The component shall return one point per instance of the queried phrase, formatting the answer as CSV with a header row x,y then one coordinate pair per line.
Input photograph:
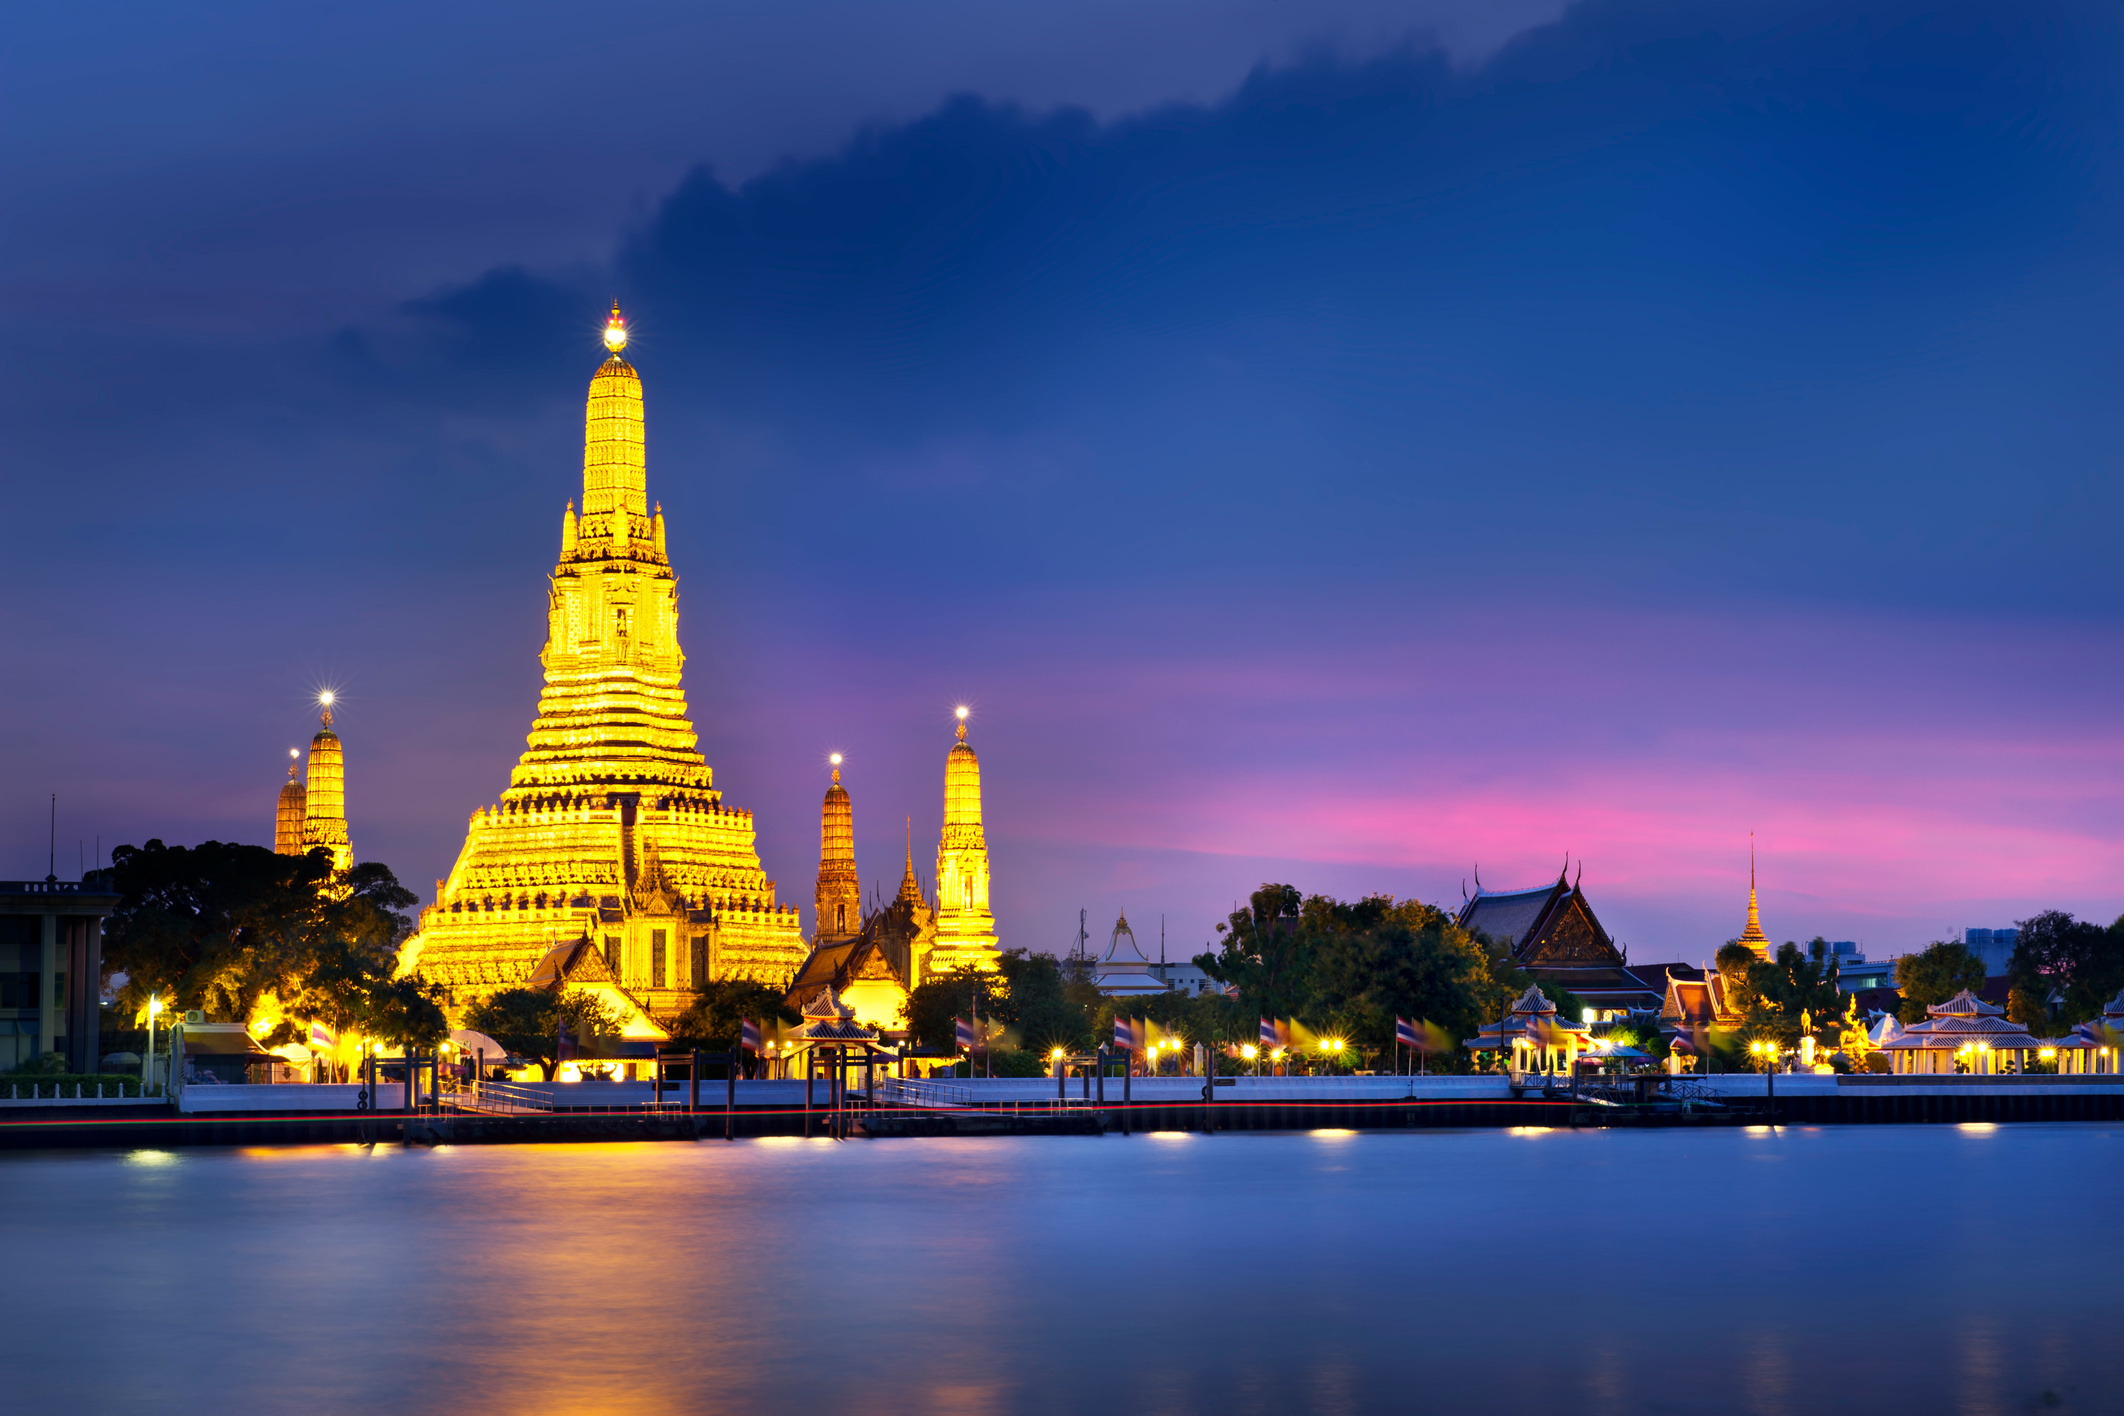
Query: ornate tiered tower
x,y
288,819
611,828
966,931
324,817
1753,935
840,897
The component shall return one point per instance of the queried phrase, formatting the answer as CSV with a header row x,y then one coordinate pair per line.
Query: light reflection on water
x,y
1596,1272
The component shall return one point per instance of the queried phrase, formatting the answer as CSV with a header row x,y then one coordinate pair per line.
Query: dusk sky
x,y
1336,443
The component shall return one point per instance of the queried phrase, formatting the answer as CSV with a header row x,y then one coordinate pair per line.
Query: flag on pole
x,y
1268,1033
1125,1034
321,1036
1405,1033
749,1033
966,1034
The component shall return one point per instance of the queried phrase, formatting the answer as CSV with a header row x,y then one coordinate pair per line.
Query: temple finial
x,y
835,759
615,330
962,722
324,706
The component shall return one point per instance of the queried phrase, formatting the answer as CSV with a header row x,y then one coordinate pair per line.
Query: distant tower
x,y
840,897
966,931
287,824
325,798
1753,935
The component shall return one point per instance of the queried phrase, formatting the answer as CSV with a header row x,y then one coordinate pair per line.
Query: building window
x,y
656,958
612,955
700,960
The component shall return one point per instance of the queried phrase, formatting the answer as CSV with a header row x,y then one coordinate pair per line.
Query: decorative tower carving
x,y
840,896
966,931
324,814
1753,935
288,821
611,829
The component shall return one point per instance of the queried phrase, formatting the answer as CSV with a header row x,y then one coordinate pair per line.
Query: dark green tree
x,y
713,1019
1943,969
2078,960
530,1021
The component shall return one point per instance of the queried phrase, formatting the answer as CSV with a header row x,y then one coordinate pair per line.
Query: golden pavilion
x,y
610,831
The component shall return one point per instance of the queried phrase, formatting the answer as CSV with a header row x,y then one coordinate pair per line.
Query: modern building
x,y
51,969
1993,946
611,829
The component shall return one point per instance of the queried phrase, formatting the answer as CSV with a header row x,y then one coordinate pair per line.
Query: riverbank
x,y
301,1115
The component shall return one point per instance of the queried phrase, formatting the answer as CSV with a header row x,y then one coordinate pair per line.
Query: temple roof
x,y
1553,925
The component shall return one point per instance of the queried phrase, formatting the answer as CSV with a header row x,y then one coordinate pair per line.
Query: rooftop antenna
x,y
51,864
1161,941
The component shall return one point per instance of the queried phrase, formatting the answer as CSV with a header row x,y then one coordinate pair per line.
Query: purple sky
x,y
1341,444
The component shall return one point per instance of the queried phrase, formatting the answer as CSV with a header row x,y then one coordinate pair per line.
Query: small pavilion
x,y
1533,1036
1963,1034
1125,972
830,1028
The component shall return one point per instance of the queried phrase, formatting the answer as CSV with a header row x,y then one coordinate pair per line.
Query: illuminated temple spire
x,y
910,887
325,793
610,829
840,895
1753,935
288,819
966,931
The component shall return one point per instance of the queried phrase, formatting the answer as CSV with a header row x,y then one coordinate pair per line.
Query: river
x,y
1877,1269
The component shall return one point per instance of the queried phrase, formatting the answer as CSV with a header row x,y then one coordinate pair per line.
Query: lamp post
x,y
1253,1055
147,1074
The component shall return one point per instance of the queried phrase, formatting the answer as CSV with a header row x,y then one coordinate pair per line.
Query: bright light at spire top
x,y
615,330
962,712
324,699
835,759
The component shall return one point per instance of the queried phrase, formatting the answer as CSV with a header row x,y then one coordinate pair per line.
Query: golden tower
x,y
324,813
288,819
611,829
966,931
1753,935
840,896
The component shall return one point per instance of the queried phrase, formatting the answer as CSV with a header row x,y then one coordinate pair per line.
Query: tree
x,y
218,926
1347,968
712,1021
2078,960
1935,975
933,1008
530,1021
1789,992
1031,999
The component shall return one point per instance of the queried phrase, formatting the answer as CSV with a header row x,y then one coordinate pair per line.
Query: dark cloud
x,y
1735,310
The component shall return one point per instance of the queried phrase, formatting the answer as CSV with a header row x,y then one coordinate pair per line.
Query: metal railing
x,y
504,1098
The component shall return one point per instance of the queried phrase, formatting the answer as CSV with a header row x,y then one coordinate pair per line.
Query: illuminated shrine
x,y
313,813
966,931
611,830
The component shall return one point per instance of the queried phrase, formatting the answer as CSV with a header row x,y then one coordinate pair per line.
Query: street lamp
x,y
147,1075
1252,1054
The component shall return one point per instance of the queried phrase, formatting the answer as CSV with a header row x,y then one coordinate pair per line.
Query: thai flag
x,y
749,1033
1405,1033
966,1034
1125,1034
1268,1033
320,1035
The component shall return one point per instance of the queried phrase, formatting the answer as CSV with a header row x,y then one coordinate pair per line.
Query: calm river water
x,y
1865,1269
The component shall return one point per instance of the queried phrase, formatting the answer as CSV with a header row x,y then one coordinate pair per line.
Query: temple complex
x,y
611,830
1554,935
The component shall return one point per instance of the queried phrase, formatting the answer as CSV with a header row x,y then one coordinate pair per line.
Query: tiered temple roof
x,y
611,829
1554,935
